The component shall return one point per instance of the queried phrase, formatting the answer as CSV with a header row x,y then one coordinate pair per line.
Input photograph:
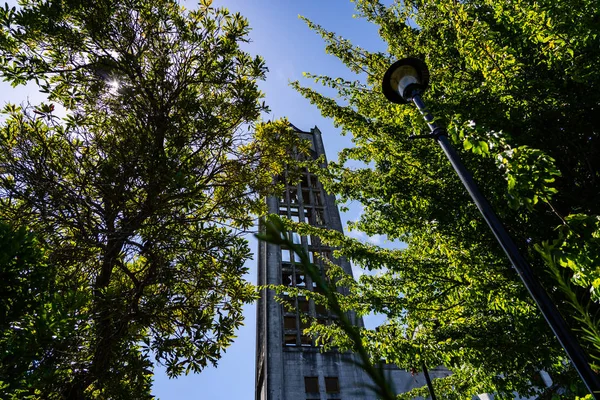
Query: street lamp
x,y
405,81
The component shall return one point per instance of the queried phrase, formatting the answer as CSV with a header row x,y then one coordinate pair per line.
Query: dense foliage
x,y
138,177
516,83
29,305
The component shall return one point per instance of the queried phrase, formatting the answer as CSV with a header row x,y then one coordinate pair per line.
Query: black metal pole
x,y
428,380
537,292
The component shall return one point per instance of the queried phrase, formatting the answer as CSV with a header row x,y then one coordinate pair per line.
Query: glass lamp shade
x,y
404,78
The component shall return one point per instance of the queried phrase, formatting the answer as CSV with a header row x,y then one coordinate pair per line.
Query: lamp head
x,y
404,79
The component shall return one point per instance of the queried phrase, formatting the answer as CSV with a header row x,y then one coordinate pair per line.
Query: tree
x,y
516,86
141,193
26,291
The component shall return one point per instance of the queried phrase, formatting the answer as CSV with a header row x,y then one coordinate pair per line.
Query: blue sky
x,y
289,49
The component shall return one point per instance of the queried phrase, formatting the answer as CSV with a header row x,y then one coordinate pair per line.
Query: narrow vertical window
x,y
289,323
319,217
306,197
290,340
293,196
304,181
318,198
332,385
311,384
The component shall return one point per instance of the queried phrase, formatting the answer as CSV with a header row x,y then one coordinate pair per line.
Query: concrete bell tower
x,y
288,364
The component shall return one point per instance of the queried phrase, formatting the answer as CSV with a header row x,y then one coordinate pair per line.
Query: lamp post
x,y
404,81
428,381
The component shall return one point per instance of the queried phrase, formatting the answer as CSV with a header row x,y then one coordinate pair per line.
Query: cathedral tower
x,y
288,364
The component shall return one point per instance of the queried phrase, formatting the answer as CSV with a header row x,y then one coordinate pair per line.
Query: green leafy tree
x,y
141,193
26,286
516,85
